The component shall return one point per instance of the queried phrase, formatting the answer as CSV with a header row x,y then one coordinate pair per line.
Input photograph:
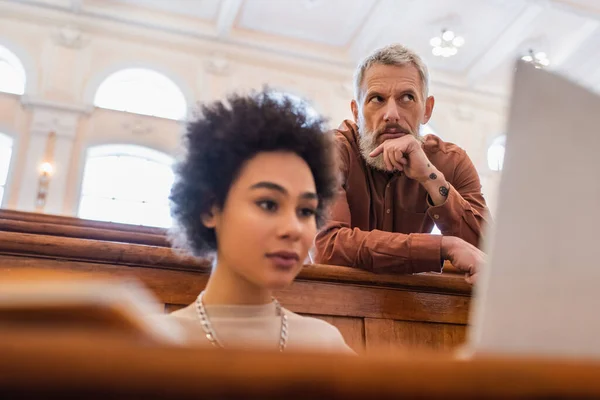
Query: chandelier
x,y
537,59
447,44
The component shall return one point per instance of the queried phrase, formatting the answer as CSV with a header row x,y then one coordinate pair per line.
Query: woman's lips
x,y
284,259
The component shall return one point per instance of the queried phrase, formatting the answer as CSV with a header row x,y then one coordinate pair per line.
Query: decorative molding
x,y
36,102
52,117
258,49
218,64
71,37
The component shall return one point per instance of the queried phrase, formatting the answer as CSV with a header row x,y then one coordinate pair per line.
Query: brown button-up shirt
x,y
382,221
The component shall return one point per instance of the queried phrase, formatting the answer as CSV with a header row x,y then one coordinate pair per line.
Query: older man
x,y
397,184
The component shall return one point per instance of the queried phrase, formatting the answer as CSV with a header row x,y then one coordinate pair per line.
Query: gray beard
x,y
366,144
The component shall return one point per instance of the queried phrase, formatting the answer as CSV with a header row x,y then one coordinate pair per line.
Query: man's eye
x,y
377,99
408,97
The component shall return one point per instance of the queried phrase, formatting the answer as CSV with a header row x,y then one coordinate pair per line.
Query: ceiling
x,y
340,32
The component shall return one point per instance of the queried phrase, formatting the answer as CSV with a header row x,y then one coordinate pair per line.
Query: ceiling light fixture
x,y
447,44
537,59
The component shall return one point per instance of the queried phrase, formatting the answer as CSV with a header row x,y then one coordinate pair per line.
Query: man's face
x,y
391,105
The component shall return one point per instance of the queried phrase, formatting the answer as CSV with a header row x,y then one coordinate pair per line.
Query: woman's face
x,y
267,224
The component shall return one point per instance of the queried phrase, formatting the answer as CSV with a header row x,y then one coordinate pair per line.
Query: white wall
x,y
62,80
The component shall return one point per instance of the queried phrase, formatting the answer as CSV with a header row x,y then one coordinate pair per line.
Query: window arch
x,y
142,91
495,154
298,101
6,144
12,73
127,184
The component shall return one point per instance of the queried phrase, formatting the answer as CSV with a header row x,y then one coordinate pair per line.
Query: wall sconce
x,y
46,170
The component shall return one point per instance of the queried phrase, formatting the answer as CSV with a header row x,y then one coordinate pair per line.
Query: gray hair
x,y
393,54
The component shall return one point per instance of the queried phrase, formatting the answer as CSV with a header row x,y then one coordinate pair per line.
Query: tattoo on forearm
x,y
444,191
432,176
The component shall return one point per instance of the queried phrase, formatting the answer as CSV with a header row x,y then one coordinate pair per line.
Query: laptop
x,y
540,291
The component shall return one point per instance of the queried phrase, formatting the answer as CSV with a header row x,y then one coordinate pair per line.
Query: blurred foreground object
x,y
58,304
539,292
77,368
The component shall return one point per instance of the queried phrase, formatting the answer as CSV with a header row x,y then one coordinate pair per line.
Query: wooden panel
x,y
374,302
352,329
382,334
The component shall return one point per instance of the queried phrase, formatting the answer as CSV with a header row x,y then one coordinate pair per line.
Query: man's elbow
x,y
325,247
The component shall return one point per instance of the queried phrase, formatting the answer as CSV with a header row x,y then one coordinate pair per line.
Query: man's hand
x,y
463,255
405,154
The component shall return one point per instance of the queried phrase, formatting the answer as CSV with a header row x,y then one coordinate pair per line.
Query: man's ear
x,y
209,219
429,103
354,108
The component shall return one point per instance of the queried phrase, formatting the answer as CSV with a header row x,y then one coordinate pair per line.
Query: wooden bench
x,y
56,225
371,310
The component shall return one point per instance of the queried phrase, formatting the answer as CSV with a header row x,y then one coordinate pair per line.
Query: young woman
x,y
250,192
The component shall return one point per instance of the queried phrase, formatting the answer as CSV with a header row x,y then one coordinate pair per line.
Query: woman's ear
x,y
209,219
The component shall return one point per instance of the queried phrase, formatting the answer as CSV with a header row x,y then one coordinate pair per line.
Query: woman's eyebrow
x,y
281,189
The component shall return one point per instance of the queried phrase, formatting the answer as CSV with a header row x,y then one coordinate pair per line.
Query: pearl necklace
x,y
210,332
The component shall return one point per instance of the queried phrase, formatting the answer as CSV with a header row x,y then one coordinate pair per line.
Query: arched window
x,y
12,73
128,184
5,155
495,154
142,91
300,102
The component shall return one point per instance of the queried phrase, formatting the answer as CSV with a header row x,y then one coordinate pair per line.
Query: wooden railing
x,y
371,310
73,221
56,225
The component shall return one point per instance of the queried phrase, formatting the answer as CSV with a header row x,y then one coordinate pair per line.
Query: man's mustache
x,y
399,128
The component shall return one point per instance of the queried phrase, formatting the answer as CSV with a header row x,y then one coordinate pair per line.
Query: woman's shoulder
x,y
323,333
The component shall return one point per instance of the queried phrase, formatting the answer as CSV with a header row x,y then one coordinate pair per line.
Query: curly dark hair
x,y
228,133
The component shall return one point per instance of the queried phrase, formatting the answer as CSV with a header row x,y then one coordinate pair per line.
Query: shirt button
x,y
387,186
436,216
388,211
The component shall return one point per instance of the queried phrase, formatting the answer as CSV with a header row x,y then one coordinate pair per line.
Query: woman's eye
x,y
267,205
308,212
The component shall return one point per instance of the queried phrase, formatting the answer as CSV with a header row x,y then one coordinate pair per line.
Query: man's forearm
x,y
437,187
